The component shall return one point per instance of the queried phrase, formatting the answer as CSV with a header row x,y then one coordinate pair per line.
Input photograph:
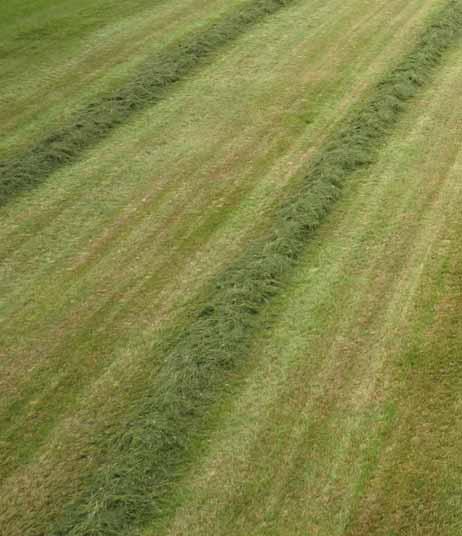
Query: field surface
x,y
230,267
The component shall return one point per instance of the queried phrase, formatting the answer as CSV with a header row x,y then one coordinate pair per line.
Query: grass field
x,y
348,419
334,408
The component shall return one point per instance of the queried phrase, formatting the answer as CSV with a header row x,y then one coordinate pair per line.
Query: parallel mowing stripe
x,y
146,456
96,120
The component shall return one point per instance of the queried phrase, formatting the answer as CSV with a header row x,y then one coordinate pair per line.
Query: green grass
x,y
146,454
88,287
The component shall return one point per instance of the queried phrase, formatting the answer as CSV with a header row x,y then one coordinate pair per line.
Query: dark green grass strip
x,y
145,458
95,121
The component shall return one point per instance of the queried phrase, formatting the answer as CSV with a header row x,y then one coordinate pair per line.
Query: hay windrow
x,y
95,121
146,456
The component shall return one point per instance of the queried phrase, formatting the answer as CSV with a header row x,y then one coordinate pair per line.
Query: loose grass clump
x,y
95,121
146,456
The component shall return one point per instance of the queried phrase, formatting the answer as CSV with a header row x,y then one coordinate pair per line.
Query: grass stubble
x,y
154,443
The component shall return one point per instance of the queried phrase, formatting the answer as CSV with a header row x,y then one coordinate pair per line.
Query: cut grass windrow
x,y
165,422
96,120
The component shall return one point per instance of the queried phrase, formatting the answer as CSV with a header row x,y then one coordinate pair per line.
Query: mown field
x,y
230,257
